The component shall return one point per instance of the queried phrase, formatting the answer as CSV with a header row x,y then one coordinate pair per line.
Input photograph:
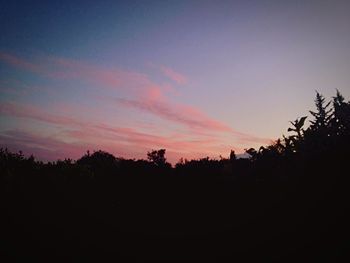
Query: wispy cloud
x,y
184,115
79,129
50,148
32,112
21,63
201,133
152,93
73,137
42,147
116,78
189,117
64,68
173,75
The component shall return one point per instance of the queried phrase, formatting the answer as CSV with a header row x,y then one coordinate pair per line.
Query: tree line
x,y
327,134
287,201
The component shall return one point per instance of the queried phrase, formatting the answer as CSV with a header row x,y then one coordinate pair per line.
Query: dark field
x,y
169,216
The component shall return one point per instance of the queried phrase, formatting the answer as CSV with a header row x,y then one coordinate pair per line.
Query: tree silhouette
x,y
157,157
233,156
341,121
253,153
297,126
322,115
100,162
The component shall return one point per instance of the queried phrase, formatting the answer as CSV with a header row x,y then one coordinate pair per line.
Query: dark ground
x,y
173,217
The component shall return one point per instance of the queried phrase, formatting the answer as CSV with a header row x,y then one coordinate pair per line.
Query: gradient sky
x,y
195,77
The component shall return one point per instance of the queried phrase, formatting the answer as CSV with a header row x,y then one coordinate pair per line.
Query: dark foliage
x,y
287,202
157,157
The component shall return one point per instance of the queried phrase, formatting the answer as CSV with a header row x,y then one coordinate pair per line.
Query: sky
x,y
197,78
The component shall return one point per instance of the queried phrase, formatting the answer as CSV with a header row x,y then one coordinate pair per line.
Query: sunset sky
x,y
197,78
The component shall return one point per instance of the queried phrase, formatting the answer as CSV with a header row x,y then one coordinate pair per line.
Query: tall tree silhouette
x,y
322,114
341,120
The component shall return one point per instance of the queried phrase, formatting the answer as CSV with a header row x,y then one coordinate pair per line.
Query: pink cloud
x,y
154,97
188,116
48,148
150,97
84,135
42,147
116,78
18,88
173,141
173,75
32,112
20,63
63,68
185,115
